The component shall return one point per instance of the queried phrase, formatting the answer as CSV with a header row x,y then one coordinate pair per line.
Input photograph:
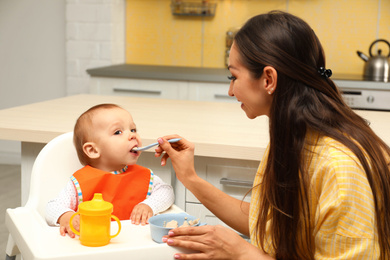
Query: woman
x,y
322,189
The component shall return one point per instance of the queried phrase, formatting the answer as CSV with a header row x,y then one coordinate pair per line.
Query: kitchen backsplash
x,y
156,37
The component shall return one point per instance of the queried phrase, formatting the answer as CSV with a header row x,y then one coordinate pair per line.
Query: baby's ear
x,y
91,150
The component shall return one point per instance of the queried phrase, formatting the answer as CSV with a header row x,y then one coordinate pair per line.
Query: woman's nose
x,y
230,92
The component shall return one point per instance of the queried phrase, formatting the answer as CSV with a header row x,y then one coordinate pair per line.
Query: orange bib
x,y
124,190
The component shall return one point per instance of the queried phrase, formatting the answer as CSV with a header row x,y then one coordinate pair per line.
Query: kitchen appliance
x,y
377,67
360,93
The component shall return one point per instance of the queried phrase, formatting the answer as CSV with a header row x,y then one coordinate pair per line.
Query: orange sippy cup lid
x,y
96,206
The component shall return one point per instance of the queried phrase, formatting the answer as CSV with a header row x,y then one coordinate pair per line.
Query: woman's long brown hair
x,y
304,100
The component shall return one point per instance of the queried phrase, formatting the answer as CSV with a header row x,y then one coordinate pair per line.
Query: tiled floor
x,y
9,198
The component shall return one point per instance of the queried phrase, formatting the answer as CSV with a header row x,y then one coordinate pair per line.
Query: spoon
x,y
174,140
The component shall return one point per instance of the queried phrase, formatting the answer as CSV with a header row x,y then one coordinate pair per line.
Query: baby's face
x,y
115,134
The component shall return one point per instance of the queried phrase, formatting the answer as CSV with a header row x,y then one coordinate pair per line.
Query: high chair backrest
x,y
52,169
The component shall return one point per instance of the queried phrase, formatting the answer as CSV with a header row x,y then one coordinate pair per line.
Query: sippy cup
x,y
95,221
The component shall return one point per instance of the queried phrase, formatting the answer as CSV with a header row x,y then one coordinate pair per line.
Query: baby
x,y
104,137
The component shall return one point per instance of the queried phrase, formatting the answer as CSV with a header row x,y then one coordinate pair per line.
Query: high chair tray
x,y
37,240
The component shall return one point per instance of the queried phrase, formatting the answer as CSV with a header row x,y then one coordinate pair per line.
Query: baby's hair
x,y
82,128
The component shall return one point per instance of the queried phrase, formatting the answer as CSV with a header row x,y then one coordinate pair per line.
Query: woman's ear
x,y
91,150
271,79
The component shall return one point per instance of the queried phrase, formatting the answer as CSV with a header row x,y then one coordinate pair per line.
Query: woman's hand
x,y
211,242
181,154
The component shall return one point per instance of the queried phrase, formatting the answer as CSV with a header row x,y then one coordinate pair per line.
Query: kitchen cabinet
x,y
205,91
234,177
168,89
166,173
186,83
139,88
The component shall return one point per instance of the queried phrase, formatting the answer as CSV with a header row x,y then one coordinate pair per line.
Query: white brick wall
x,y
95,37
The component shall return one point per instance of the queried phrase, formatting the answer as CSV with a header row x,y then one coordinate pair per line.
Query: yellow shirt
x,y
341,203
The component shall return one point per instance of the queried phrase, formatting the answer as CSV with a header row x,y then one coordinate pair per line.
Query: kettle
x,y
376,68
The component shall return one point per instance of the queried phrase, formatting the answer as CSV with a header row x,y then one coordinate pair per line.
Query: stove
x,y
362,94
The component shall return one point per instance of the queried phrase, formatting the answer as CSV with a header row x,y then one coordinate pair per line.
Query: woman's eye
x,y
232,78
117,132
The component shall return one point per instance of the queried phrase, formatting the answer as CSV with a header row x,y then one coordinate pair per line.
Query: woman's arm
x,y
232,211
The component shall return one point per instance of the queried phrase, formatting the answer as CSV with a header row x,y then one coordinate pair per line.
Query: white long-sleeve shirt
x,y
160,199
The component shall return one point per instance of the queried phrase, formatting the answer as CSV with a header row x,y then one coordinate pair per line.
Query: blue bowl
x,y
156,223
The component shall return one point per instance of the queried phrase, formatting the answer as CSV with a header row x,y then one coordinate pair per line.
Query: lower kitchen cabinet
x,y
234,177
166,173
139,88
168,89
204,91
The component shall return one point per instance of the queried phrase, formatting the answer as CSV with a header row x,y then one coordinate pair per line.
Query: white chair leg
x,y
12,249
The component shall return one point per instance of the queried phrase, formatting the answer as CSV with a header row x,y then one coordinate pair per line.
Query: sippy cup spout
x,y
96,206
98,196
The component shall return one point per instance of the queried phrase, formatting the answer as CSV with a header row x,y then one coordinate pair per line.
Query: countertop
x,y
218,129
162,73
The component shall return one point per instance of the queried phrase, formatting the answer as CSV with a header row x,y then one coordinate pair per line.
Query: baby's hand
x,y
141,214
64,223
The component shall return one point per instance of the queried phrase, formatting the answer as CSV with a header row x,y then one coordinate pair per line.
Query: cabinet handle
x,y
239,183
221,96
138,91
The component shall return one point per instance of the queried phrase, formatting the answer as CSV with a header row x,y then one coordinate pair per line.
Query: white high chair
x,y
31,236
52,168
